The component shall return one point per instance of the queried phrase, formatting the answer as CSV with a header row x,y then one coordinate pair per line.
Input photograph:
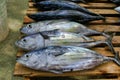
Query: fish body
x,y
62,5
57,37
60,0
117,9
62,25
59,59
37,41
116,1
72,15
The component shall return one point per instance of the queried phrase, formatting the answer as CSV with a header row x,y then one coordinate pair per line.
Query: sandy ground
x,y
16,11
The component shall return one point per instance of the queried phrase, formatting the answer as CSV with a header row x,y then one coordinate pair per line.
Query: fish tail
x,y
83,1
116,58
108,41
100,17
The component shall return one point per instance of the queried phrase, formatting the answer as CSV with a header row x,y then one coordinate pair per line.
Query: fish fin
x,y
108,41
83,1
87,39
44,36
116,58
55,71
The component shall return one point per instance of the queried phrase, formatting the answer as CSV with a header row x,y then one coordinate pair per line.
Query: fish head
x,y
31,42
32,60
30,28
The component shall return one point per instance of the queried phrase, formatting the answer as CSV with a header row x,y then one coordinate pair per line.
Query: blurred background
x,y
16,10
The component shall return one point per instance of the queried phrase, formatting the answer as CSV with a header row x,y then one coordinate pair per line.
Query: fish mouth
x,y
19,44
23,31
19,60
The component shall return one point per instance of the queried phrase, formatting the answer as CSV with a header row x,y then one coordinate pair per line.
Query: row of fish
x,y
56,32
63,10
58,42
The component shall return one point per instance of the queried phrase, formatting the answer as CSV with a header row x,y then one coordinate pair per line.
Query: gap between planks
x,y
89,5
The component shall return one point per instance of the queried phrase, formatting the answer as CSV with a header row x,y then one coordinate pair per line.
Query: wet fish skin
x,y
116,1
61,0
27,43
117,9
62,24
72,15
59,59
37,41
62,5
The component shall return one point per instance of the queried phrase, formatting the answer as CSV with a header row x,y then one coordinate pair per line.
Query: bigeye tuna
x,y
61,5
59,59
72,15
63,25
37,41
57,37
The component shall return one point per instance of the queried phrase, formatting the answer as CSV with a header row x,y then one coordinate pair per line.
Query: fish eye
x,y
24,40
27,56
30,26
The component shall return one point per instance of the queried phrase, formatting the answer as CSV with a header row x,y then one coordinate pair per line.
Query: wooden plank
x,y
107,28
107,68
91,1
89,5
27,78
109,20
98,11
103,79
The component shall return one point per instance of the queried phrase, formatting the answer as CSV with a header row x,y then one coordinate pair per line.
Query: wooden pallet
x,y
108,77
103,7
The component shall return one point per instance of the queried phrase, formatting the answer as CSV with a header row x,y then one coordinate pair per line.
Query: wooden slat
x,y
107,68
89,5
97,1
107,28
103,79
109,20
27,78
98,11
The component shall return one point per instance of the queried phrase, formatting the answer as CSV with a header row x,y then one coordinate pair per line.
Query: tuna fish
x,y
63,25
36,41
61,5
59,59
72,15
44,39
